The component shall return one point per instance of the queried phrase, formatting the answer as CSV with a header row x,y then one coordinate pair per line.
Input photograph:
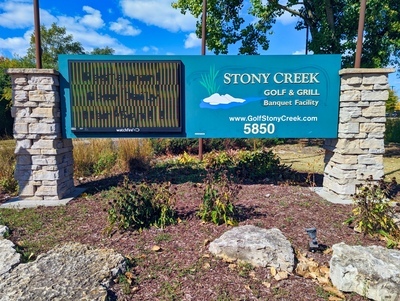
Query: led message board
x,y
280,96
125,96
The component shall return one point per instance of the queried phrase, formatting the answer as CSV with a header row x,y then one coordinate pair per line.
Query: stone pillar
x,y
44,168
358,151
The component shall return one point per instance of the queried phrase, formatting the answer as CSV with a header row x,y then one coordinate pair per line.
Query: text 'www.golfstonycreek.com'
x,y
254,124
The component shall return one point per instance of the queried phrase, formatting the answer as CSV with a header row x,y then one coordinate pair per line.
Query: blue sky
x,y
150,27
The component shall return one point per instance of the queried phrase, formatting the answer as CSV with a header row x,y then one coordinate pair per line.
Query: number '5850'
x,y
258,128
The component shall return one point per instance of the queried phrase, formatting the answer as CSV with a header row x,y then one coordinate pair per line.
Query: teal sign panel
x,y
200,96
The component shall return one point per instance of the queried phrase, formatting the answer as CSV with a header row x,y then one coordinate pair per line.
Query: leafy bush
x,y
392,133
135,207
373,210
218,200
7,161
259,165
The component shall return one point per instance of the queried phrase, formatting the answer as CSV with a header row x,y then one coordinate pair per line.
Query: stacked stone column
x,y
44,168
358,151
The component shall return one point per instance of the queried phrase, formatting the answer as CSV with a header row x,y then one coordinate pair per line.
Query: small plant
x,y
373,212
208,81
135,207
218,198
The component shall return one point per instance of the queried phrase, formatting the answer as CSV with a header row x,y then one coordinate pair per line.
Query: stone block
x,y
333,170
44,128
24,160
43,80
20,128
350,95
347,114
372,127
349,128
372,143
374,95
46,191
41,175
373,271
376,171
41,112
19,112
351,79
381,87
343,159
21,80
372,79
332,184
26,189
44,144
370,159
42,96
374,111
26,104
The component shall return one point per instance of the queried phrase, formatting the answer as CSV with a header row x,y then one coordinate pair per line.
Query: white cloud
x,y
16,45
192,41
299,52
153,49
158,13
14,14
124,27
92,19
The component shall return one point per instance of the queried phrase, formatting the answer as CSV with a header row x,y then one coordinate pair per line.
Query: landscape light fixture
x,y
313,244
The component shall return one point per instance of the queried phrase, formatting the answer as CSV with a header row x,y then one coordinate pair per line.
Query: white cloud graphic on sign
x,y
217,99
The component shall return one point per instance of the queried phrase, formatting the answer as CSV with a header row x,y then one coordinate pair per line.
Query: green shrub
x,y
392,133
218,200
373,210
259,165
138,206
7,161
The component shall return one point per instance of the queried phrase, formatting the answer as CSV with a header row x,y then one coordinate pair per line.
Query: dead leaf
x,y
267,284
156,248
334,290
129,275
281,276
232,266
273,271
206,266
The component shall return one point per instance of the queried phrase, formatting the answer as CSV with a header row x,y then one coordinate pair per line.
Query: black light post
x,y
203,52
38,46
361,21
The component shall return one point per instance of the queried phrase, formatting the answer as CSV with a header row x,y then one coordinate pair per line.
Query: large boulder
x,y
373,272
69,272
257,246
8,255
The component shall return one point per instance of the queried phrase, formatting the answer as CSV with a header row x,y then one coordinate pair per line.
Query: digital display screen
x,y
126,96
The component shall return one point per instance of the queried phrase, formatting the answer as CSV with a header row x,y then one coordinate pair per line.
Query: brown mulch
x,y
183,269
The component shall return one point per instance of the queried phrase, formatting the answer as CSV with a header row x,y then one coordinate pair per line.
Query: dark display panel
x,y
126,96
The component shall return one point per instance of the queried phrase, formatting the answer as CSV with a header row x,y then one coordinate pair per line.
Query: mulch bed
x,y
183,269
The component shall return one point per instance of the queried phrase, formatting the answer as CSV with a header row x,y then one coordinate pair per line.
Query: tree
x,y
105,50
391,102
54,41
333,26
